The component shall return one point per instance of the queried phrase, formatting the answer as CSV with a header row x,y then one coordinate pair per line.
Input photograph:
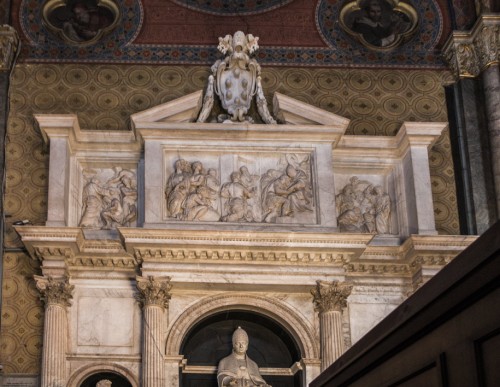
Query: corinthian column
x,y
154,294
57,295
329,300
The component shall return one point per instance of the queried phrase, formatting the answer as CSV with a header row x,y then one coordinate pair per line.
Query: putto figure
x,y
237,369
236,80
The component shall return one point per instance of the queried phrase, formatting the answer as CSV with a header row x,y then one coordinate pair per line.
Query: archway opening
x,y
271,347
116,380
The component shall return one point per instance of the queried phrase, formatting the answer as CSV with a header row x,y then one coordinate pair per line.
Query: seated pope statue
x,y
238,369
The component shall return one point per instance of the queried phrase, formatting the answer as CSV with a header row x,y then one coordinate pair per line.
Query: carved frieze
x,y
54,291
109,201
330,296
154,291
9,43
225,255
236,80
362,207
283,194
470,52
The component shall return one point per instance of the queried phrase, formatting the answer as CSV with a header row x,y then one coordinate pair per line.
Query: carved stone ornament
x,y
154,290
286,193
9,43
238,369
236,80
330,296
470,52
81,22
54,291
362,207
109,203
103,383
194,193
379,24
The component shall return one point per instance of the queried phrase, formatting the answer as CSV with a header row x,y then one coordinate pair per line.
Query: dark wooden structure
x,y
446,334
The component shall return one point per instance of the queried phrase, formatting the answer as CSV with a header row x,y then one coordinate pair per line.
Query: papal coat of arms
x,y
236,80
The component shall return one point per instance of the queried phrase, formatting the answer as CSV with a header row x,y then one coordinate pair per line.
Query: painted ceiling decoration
x,y
232,7
152,32
81,21
379,24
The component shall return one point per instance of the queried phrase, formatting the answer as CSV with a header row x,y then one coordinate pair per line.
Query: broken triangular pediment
x,y
183,109
287,110
291,111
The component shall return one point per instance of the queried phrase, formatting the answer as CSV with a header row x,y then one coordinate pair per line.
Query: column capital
x,y
330,296
9,44
154,290
470,52
54,291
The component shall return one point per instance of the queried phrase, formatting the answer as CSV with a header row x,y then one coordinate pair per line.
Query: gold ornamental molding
x,y
468,53
9,44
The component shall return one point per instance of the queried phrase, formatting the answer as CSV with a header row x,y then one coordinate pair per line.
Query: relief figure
x,y
363,208
191,192
112,203
285,194
239,193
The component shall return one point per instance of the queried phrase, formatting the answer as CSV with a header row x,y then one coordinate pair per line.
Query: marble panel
x,y
105,322
365,316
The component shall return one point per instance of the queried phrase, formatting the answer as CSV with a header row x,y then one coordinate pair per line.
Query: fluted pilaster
x,y
154,294
57,295
330,298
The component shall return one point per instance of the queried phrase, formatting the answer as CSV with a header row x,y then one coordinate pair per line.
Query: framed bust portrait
x,y
80,22
379,24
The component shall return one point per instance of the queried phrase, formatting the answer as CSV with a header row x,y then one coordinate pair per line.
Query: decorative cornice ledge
x,y
9,44
470,52
64,250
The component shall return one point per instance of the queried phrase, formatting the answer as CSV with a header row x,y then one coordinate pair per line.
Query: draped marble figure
x,y
238,369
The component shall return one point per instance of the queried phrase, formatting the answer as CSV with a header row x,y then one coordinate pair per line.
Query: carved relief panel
x,y
364,206
240,187
108,198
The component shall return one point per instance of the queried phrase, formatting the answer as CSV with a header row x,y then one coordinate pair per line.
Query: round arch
x,y
84,372
274,309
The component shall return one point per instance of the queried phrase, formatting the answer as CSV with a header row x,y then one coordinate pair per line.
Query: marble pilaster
x,y
329,300
154,294
57,294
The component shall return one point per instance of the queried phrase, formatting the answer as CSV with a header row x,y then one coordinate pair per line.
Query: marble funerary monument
x,y
215,205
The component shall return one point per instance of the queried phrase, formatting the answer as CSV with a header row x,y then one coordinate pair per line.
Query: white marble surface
x,y
104,319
